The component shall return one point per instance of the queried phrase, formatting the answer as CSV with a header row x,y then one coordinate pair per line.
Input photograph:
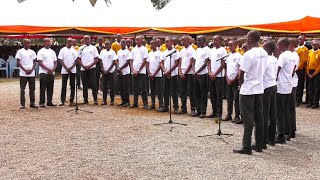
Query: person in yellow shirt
x,y
116,46
74,44
313,69
303,53
176,44
163,47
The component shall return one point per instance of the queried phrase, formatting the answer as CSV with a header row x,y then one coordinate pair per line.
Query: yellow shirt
x,y
116,46
76,48
178,47
314,61
130,48
227,49
163,47
195,47
303,53
239,50
148,47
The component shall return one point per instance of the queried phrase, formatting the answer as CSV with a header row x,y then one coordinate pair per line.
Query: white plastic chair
x,y
12,65
5,68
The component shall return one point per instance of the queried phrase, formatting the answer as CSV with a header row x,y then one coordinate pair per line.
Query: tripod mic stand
x,y
219,132
76,109
170,122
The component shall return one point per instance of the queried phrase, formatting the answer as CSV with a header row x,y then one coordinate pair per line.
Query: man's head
x,y
201,40
26,43
87,40
47,43
293,44
74,42
144,42
175,41
100,40
245,47
129,43
239,43
185,41
253,38
118,37
191,40
232,45
69,42
301,40
226,41
315,45
283,44
269,46
139,40
168,42
123,43
158,42
217,40
153,45
107,44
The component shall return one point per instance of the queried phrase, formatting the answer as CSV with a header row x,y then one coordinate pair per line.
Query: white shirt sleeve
x,y
246,64
281,61
114,56
129,55
40,56
95,52
145,53
101,55
18,55
61,53
148,58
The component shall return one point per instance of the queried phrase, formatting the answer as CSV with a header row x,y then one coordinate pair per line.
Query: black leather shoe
x,y
309,105
280,139
103,103
85,102
212,115
95,103
33,106
51,104
195,114
42,105
126,105
163,109
271,143
151,107
183,112
176,111
111,103
243,151
121,104
293,134
134,106
227,118
315,106
22,107
61,104
145,107
202,115
239,121
258,149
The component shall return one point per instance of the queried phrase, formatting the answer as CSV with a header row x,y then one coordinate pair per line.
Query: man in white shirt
x,y
88,58
286,69
138,68
47,59
78,76
108,65
124,57
201,77
187,55
270,95
216,71
232,75
155,75
67,57
169,66
26,60
293,96
100,46
252,70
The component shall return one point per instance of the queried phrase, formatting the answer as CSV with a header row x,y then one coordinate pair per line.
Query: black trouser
x,y
108,79
124,81
78,76
283,113
301,79
187,88
307,90
313,88
89,77
156,88
216,90
140,84
64,86
270,113
98,71
233,96
292,109
252,113
32,86
170,86
46,84
201,93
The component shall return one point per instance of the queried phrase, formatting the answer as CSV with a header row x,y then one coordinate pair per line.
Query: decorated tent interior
x,y
223,17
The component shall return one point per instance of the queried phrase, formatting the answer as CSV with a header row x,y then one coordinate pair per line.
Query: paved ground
x,y
123,143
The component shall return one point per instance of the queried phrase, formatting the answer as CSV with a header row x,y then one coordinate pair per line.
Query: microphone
x,y
171,53
223,57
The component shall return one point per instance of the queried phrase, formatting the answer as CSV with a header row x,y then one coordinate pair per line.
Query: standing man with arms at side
x,y
108,60
216,74
187,55
47,59
26,60
88,58
78,76
100,46
252,70
138,68
201,77
67,57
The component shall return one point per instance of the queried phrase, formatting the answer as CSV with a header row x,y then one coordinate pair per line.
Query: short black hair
x,y
255,35
270,46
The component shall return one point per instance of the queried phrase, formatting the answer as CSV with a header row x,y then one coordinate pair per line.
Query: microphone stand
x,y
170,122
219,132
76,109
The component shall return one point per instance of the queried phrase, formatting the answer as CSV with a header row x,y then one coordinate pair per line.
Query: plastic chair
x,y
12,65
5,68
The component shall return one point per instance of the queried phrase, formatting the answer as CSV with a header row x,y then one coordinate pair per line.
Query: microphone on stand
x,y
223,57
171,53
